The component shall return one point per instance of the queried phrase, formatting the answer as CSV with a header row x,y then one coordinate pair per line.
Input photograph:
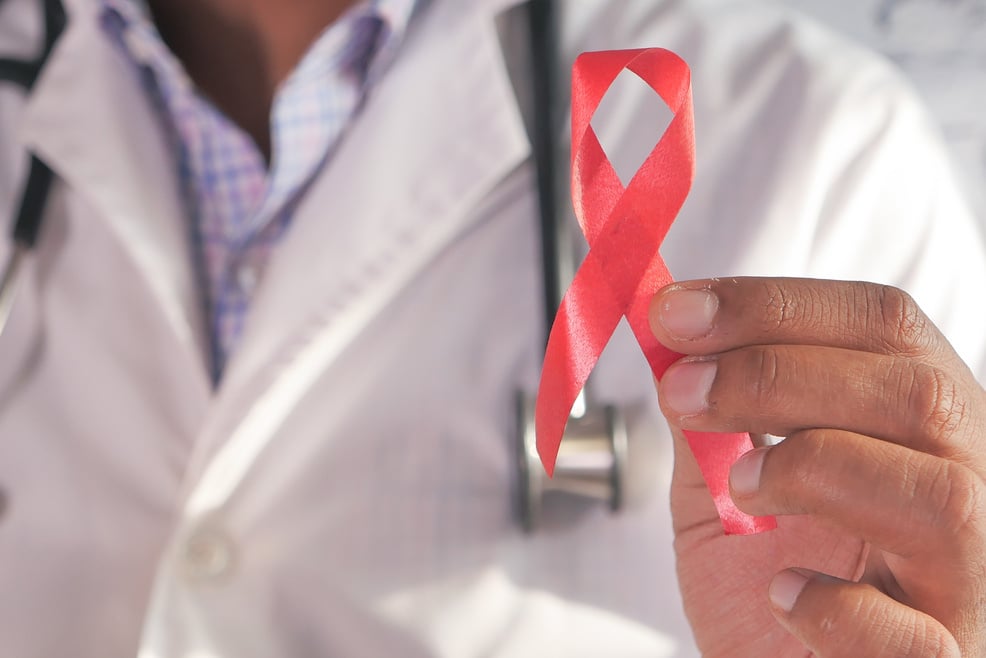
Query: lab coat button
x,y
208,555
246,278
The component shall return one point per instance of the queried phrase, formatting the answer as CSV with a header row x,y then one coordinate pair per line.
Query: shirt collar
x,y
395,15
144,44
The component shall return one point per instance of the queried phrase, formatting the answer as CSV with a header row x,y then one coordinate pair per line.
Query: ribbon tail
x,y
587,317
715,454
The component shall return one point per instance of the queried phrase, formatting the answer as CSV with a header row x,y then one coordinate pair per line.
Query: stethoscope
x,y
591,464
30,213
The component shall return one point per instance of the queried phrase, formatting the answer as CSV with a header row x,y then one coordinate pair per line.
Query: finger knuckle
x,y
791,476
763,375
779,305
956,496
905,327
848,609
809,449
935,401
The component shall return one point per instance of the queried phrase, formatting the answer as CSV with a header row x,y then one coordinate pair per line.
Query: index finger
x,y
715,315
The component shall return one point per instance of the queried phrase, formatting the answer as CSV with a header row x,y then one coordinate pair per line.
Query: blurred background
x,y
941,47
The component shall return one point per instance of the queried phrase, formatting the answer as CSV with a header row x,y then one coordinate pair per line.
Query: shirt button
x,y
246,278
209,555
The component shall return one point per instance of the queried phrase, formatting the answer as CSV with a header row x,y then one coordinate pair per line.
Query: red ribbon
x,y
623,269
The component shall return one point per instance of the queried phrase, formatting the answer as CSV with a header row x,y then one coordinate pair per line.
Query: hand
x,y
878,488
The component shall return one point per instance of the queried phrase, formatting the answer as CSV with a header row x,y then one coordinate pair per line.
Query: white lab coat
x,y
349,489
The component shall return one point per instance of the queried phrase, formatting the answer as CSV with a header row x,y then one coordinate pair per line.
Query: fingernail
x,y
688,314
686,386
744,476
785,589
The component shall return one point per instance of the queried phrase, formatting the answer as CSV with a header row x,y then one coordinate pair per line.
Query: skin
x,y
878,488
238,51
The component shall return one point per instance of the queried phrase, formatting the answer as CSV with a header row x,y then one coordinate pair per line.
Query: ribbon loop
x,y
623,269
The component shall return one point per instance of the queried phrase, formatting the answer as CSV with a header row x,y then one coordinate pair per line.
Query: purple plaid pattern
x,y
239,209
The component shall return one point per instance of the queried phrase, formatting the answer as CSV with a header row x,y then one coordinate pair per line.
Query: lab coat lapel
x,y
90,121
438,133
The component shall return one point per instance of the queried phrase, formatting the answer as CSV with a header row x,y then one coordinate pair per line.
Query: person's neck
x,y
238,51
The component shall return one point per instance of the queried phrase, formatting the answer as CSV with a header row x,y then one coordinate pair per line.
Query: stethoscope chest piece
x,y
591,464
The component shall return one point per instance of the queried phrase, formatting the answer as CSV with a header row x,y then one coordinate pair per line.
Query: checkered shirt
x,y
237,207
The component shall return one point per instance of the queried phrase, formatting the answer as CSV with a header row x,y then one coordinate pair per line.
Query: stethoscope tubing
x,y
557,251
30,212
